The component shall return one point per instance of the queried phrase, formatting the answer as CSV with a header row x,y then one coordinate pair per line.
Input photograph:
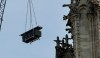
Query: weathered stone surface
x,y
85,28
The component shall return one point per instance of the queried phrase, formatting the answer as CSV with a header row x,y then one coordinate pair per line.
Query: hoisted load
x,y
34,33
31,35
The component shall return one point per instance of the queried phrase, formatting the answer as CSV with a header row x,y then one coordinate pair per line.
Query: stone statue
x,y
57,41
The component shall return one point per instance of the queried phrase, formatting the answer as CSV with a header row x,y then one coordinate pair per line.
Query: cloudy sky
x,y
49,15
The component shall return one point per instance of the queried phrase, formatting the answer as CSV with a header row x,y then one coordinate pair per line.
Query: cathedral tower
x,y
84,20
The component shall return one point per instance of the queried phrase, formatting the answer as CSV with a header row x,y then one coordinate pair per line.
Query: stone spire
x,y
63,48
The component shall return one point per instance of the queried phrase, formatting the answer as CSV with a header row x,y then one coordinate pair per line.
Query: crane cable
x,y
26,17
30,13
34,13
30,8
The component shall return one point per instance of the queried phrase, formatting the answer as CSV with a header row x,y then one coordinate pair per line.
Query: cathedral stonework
x,y
84,20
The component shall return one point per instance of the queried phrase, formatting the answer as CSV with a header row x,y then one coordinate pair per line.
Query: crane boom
x,y
2,7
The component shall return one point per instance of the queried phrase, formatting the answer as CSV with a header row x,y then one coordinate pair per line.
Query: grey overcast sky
x,y
49,15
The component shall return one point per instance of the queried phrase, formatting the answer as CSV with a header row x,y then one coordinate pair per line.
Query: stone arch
x,y
82,7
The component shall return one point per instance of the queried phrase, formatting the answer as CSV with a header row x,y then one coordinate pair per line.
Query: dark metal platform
x,y
31,35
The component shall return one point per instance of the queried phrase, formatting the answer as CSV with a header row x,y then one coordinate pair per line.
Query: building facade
x,y
84,20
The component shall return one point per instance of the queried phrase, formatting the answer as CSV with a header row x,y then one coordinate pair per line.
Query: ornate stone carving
x,y
82,19
63,48
97,2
